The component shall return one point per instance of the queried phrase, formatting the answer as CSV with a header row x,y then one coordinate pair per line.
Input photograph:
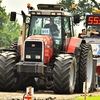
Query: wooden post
x,y
85,89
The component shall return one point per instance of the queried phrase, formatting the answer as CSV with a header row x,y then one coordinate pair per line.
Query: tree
x,y
3,16
83,6
96,4
10,32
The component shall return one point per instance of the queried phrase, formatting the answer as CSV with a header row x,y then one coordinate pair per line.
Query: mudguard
x,y
72,45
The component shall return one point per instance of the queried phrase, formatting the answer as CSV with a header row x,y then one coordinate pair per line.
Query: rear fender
x,y
72,45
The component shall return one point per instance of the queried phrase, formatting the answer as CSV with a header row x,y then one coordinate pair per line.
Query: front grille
x,y
34,49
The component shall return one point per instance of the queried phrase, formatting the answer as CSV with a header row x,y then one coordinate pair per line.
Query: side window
x,y
37,27
71,24
58,23
66,26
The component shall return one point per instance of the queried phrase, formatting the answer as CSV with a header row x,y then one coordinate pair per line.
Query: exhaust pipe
x,y
23,33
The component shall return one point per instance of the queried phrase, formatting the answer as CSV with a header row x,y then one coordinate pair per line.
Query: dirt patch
x,y
44,95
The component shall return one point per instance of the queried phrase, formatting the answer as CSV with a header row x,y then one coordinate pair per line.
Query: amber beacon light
x,y
73,6
28,5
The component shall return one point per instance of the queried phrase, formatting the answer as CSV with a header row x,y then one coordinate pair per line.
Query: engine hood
x,y
48,45
47,39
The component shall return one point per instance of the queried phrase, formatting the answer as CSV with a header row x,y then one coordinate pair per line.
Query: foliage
x,y
83,6
3,17
89,98
97,5
9,33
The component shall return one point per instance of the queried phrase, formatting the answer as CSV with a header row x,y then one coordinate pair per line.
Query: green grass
x,y
89,98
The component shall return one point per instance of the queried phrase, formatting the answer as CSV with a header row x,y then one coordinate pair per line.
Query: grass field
x,y
89,98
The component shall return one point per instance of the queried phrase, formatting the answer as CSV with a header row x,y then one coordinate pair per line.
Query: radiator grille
x,y
34,49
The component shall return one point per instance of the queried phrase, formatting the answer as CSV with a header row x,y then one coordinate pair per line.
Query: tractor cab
x,y
51,20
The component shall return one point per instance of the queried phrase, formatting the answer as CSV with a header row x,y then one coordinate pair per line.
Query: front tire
x,y
86,66
64,76
7,75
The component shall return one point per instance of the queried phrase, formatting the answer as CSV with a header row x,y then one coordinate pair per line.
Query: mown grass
x,y
89,98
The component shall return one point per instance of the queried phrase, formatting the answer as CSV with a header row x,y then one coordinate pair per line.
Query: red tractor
x,y
47,53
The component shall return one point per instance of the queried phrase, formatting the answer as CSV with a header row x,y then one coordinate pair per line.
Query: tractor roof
x,y
50,9
50,6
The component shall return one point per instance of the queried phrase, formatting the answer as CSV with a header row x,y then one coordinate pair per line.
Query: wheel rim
x,y
89,68
72,76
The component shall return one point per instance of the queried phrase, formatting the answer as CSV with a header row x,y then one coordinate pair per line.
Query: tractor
x,y
93,20
60,60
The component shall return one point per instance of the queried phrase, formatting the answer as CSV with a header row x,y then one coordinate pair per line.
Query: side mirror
x,y
76,18
13,16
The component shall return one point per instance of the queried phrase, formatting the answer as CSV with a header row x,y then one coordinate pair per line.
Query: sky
x,y
18,5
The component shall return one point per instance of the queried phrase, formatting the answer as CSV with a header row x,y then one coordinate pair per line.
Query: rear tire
x,y
64,76
14,46
86,66
8,80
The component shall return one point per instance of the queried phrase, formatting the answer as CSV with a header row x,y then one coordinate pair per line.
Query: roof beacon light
x,y
73,6
96,11
28,5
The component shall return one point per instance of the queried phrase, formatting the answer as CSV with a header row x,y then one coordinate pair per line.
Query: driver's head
x,y
93,28
83,32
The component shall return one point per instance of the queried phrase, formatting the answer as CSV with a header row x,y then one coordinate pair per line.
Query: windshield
x,y
45,25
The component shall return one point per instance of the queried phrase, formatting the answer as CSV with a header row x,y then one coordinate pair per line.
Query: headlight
x,y
37,57
28,56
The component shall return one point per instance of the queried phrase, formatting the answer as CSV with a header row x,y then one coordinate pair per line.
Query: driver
x,y
94,32
53,27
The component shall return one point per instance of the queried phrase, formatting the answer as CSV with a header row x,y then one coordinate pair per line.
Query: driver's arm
x,y
94,32
56,32
83,35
